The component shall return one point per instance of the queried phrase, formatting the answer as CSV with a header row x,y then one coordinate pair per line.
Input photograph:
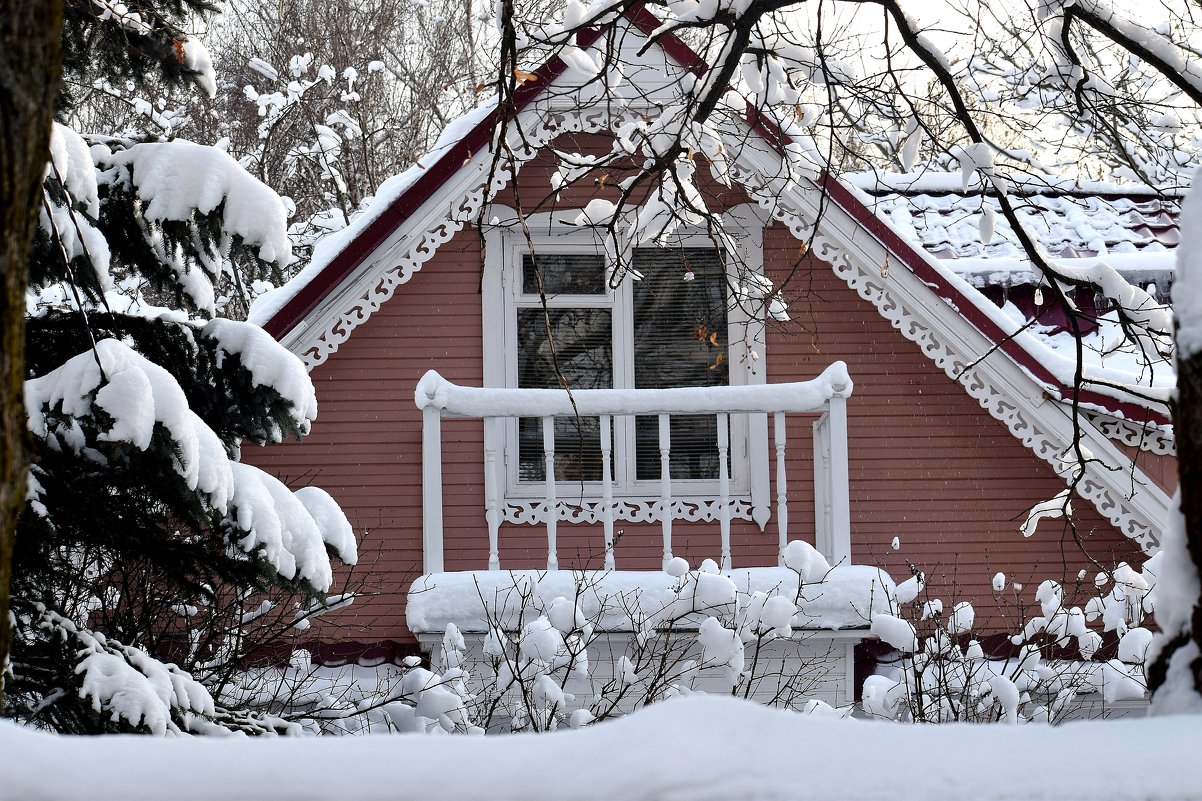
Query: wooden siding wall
x,y
1161,469
928,465
365,447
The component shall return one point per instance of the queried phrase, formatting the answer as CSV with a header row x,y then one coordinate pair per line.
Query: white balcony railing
x,y
825,396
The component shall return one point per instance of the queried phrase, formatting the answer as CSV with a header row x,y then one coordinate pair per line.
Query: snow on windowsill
x,y
845,599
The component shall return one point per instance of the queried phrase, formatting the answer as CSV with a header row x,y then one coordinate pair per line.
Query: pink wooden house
x,y
442,432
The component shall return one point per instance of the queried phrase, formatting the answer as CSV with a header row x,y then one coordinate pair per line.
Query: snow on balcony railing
x,y
843,597
825,395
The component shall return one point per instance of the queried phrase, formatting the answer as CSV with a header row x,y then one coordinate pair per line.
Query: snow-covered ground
x,y
696,748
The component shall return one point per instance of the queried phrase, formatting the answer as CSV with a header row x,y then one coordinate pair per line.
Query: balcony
x,y
743,409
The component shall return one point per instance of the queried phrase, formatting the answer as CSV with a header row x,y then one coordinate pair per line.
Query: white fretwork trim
x,y
437,222
994,382
1152,439
643,510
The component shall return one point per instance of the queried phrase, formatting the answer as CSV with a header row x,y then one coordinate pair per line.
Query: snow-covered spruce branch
x,y
144,536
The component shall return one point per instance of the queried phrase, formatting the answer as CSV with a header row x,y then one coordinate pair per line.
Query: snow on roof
x,y
846,597
1070,221
698,747
1132,228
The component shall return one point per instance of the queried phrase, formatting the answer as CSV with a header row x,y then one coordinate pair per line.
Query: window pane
x,y
564,273
583,353
680,341
679,325
693,450
577,449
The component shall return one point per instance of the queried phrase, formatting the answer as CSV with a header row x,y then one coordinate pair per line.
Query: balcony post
x,y
823,536
840,496
432,488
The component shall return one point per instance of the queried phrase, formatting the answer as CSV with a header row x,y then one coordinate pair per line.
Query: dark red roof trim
x,y
374,235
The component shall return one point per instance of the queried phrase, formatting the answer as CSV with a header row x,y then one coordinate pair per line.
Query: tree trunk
x,y
1187,427
30,70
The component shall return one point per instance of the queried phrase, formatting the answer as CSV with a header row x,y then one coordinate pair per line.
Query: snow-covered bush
x,y
946,675
581,647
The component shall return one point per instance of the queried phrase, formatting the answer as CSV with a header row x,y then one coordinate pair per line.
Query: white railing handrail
x,y
796,396
825,395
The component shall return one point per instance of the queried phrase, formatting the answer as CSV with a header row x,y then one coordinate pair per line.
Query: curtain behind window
x,y
579,348
679,341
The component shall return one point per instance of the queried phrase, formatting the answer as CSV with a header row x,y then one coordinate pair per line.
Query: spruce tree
x,y
143,540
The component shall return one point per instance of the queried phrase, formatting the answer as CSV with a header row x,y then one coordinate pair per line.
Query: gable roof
x,y
382,249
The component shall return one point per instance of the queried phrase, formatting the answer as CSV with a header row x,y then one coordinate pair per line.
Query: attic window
x,y
658,332
677,327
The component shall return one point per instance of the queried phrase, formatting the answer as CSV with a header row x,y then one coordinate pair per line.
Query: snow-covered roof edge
x,y
271,309
985,316
925,180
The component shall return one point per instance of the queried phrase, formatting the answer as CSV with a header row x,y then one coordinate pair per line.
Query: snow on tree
x,y
326,99
940,672
142,532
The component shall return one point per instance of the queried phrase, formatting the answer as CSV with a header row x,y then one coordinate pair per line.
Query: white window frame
x,y
506,244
